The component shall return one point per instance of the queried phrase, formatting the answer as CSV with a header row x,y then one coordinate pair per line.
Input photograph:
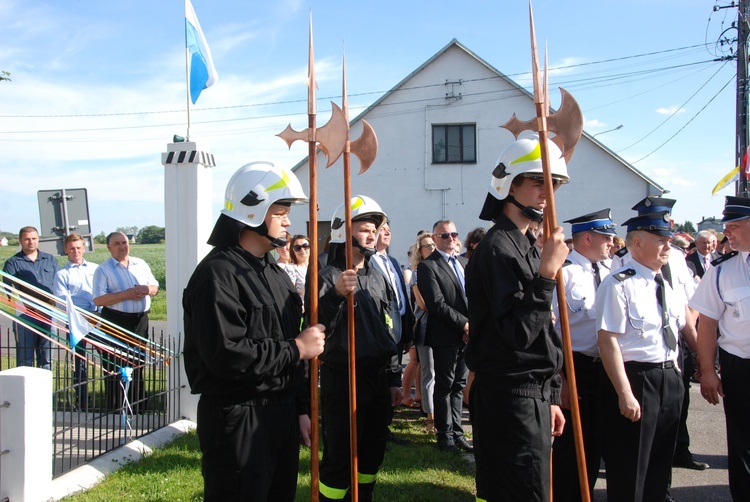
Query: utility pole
x,y
742,93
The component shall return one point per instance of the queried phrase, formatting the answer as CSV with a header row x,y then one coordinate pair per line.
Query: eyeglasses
x,y
448,235
431,245
300,247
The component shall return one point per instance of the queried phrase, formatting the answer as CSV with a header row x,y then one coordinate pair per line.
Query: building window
x,y
454,144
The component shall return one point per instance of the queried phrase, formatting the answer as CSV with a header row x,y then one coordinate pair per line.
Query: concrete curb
x,y
90,474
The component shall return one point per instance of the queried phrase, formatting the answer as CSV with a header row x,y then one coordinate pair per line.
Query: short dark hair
x,y
112,234
26,230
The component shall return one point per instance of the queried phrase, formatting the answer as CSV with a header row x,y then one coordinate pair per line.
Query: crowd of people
x,y
646,313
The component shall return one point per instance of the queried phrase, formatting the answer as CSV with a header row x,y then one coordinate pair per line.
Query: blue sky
x,y
98,87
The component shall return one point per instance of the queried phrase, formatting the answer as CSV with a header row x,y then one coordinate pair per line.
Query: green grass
x,y
153,254
414,472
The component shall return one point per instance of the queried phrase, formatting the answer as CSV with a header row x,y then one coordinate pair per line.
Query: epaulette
x,y
724,257
567,262
621,252
621,276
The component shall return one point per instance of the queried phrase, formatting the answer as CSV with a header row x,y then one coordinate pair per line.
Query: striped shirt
x,y
113,277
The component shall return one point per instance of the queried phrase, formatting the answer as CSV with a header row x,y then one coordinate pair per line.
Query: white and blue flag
x,y
201,71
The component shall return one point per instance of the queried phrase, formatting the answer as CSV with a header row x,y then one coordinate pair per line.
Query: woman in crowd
x,y
411,371
425,245
300,260
472,239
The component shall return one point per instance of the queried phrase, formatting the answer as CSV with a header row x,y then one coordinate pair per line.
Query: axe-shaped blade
x,y
566,123
331,138
366,147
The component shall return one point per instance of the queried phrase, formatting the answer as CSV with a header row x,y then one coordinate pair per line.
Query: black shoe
x,y
463,444
446,444
391,437
686,461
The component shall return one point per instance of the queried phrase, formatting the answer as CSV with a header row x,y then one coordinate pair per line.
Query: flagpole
x,y
187,75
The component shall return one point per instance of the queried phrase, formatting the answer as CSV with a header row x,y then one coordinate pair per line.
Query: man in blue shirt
x,y
36,268
76,278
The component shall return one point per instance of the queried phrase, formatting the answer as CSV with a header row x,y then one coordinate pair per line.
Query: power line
x,y
687,123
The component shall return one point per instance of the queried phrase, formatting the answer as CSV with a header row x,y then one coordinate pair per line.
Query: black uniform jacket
x,y
511,335
242,314
374,342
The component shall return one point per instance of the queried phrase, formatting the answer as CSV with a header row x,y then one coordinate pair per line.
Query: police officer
x,y
243,344
638,321
582,274
512,348
723,302
378,371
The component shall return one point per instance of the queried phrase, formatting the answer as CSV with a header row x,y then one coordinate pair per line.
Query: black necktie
x,y
597,279
669,337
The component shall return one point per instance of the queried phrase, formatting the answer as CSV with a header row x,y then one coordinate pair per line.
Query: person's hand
x,y
558,420
554,254
311,342
304,430
346,283
630,408
711,388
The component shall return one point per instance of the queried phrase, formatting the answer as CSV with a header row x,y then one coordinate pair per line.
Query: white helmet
x,y
524,157
255,186
363,208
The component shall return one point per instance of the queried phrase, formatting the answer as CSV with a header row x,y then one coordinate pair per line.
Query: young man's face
x,y
601,245
446,238
384,237
365,232
29,242
531,192
75,250
277,220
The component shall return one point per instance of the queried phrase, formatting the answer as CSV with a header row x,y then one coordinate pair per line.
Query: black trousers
x,y
250,450
512,443
373,410
638,455
565,484
450,379
735,375
688,368
138,324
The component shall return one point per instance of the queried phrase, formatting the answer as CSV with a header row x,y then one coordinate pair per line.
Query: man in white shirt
x,y
723,301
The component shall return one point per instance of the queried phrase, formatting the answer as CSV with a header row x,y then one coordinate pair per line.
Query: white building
x,y
417,182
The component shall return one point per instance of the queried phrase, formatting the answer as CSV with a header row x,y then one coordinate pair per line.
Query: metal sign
x,y
61,213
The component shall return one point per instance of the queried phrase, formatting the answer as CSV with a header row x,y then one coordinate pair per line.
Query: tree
x,y
151,235
128,231
100,239
689,227
5,75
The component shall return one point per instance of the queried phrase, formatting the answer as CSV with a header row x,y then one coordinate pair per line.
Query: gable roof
x,y
500,74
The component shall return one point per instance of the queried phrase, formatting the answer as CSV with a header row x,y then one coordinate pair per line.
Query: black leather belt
x,y
648,366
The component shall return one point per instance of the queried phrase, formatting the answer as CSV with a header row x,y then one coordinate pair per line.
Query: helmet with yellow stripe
x,y
255,187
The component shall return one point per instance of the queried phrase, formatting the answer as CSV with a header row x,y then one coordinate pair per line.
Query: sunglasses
x,y
300,247
431,245
448,235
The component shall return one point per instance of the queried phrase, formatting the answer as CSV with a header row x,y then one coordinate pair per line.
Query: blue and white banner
x,y
201,71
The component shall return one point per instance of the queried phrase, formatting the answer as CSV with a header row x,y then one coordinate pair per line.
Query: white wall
x,y
415,193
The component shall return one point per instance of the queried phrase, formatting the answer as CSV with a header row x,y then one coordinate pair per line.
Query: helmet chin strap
x,y
262,230
366,252
530,212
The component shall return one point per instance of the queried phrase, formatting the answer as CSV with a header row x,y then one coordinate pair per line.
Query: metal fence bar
x,y
85,426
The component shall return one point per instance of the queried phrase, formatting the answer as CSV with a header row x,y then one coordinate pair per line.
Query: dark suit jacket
x,y
407,320
695,259
445,300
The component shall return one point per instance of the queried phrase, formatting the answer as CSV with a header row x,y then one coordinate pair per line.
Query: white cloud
x,y
670,111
